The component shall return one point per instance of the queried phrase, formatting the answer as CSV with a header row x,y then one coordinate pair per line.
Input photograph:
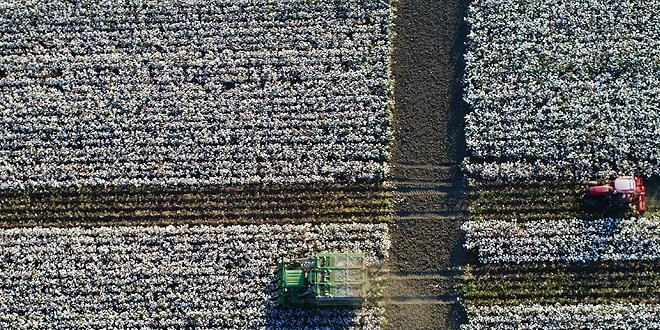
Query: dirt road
x,y
430,198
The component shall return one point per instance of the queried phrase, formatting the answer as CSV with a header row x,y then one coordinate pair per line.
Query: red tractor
x,y
618,195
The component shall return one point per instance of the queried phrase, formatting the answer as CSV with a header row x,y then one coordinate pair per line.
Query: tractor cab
x,y
618,195
625,185
327,279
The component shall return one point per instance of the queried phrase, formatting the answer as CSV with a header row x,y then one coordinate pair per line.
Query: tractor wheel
x,y
620,204
592,203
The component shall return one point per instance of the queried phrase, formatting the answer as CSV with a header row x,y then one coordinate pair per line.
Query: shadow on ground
x,y
279,318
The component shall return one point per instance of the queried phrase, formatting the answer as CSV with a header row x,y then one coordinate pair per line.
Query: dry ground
x,y
430,200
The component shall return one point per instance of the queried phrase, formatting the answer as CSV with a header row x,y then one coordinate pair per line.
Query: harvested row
x,y
653,194
174,276
524,215
525,200
568,240
208,204
551,283
568,286
535,185
606,316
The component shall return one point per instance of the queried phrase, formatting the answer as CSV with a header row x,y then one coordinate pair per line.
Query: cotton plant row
x,y
619,316
569,240
146,277
562,88
160,93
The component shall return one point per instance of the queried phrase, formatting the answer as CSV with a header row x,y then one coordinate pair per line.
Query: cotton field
x,y
188,112
570,240
562,96
145,277
562,89
554,317
162,93
159,158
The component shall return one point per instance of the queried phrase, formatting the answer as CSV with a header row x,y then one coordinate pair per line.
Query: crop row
x,y
183,276
562,89
568,240
99,93
619,316
204,204
527,199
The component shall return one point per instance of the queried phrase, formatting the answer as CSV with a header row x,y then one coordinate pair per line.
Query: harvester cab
x,y
327,279
618,195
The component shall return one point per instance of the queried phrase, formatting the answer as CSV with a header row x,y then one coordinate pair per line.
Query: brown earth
x,y
419,316
430,195
428,70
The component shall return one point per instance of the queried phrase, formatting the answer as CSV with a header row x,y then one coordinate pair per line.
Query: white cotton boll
x,y
584,88
535,316
155,98
138,269
569,240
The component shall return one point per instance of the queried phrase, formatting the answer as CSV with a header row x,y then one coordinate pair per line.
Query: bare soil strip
x,y
430,199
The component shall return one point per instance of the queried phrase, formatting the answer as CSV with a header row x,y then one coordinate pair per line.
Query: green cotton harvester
x,y
327,279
